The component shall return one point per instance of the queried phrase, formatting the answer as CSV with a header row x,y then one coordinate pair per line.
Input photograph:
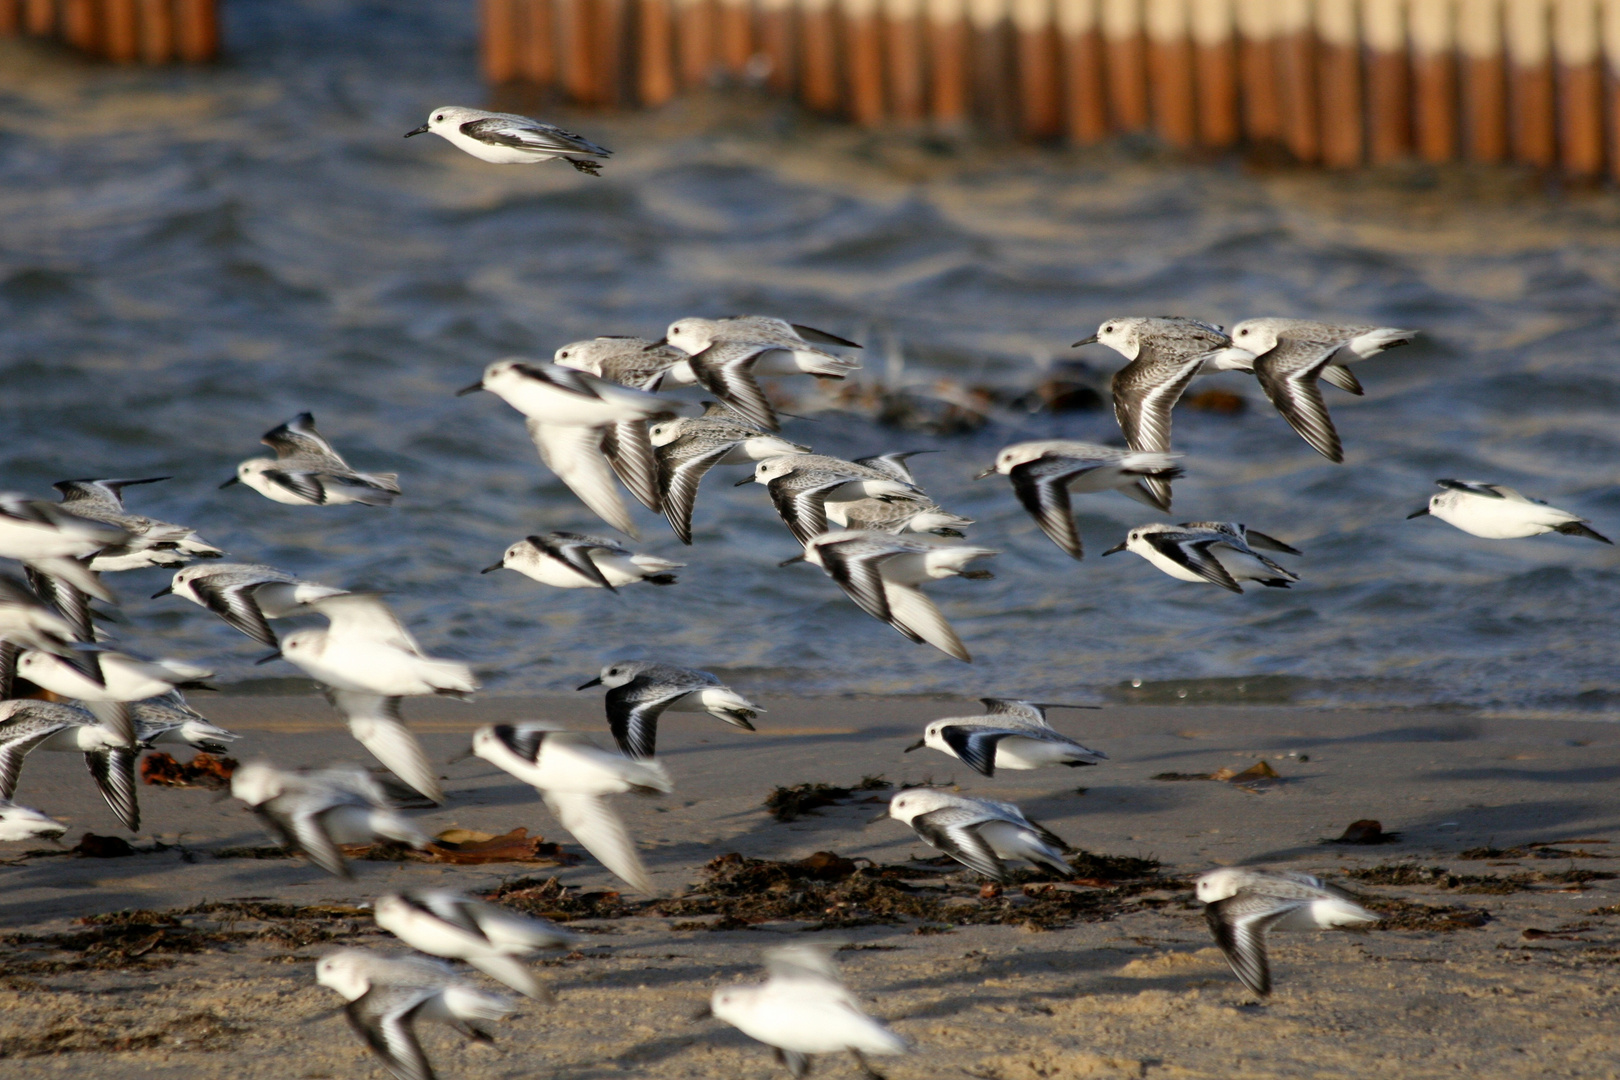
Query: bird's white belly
x,y
1495,519
368,668
549,405
1169,566
497,155
1017,752
549,571
20,540
276,492
1106,478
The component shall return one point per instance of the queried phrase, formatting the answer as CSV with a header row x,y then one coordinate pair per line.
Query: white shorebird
x,y
245,595
566,413
52,542
981,834
881,572
803,1008
802,485
1165,354
26,823
26,726
1256,337
1288,371
1242,905
1045,472
151,542
642,365
688,447
577,561
728,354
316,812
493,939
574,776
510,139
639,692
897,516
1218,552
387,995
1013,734
169,719
25,623
1501,513
307,471
125,679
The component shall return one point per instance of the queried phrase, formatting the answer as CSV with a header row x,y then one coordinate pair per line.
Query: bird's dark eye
x,y
439,118
1109,329
563,355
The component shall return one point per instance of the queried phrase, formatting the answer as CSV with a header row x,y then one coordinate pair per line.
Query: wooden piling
x,y
535,45
1038,64
1170,71
120,37
993,93
1611,53
80,22
1126,64
655,52
1432,32
1389,82
1297,70
1338,81
1085,105
950,68
1532,133
1580,87
695,42
863,53
157,31
905,60
39,17
11,22
778,39
1260,69
500,40
196,24
1483,64
734,31
1215,72
819,61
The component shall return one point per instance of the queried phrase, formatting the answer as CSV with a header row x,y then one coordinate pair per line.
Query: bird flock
x,y
602,415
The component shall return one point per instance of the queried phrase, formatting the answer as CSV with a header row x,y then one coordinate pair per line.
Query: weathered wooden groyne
x,y
123,31
1339,83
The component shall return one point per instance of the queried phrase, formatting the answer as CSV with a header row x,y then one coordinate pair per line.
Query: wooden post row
x,y
123,31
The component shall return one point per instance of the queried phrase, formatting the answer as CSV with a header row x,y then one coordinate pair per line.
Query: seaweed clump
x,y
1408,874
792,803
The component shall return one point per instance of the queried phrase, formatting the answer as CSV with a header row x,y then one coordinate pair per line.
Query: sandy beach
x,y
1494,962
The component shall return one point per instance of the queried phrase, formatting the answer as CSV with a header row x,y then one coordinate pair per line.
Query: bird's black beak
x,y
423,130
463,756
1121,546
918,745
749,479
703,1014
1092,340
1419,512
982,475
790,562
659,344
491,569
586,686
165,591
266,659
473,389
228,483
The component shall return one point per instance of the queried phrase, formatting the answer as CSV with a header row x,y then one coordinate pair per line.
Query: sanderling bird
x,y
387,995
510,139
1013,734
171,719
51,541
376,723
151,542
493,939
577,561
125,679
881,572
566,411
641,365
26,726
1164,355
25,623
26,823
688,447
1218,552
1242,905
306,471
981,834
727,355
1501,513
1288,370
803,1008
640,691
245,595
315,812
1256,337
574,776
897,516
801,486
1043,473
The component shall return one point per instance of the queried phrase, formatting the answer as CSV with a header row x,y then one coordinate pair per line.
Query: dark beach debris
x,y
828,891
1365,831
1255,779
1411,915
1541,849
792,803
203,770
1408,874
460,847
92,846
202,1031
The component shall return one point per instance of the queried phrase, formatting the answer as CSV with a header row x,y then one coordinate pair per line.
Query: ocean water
x,y
189,257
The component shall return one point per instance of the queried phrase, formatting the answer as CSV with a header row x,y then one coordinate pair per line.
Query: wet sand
x,y
1139,994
